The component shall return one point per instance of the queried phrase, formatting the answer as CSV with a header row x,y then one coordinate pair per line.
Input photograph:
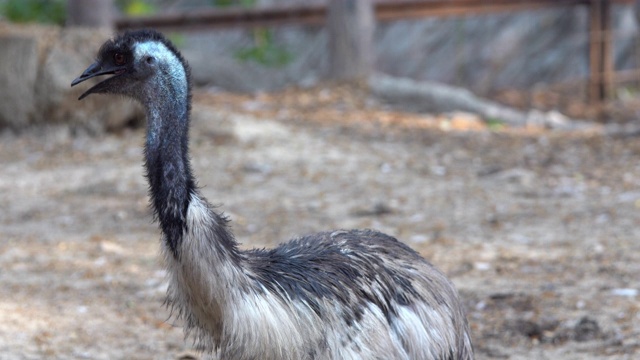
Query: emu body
x,y
346,294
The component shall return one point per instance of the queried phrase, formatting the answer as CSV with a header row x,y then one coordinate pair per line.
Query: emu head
x,y
144,65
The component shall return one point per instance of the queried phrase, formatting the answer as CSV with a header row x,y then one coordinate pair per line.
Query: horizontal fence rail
x,y
315,14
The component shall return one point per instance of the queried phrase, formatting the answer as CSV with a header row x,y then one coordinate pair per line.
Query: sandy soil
x,y
538,229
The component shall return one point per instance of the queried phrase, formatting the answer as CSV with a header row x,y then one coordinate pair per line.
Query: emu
x,y
344,294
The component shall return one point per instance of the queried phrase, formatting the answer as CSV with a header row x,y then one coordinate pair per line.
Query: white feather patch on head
x,y
163,55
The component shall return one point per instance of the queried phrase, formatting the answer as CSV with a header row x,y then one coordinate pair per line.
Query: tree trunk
x,y
350,24
92,13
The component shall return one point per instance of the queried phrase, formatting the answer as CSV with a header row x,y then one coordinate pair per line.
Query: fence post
x,y
350,27
600,51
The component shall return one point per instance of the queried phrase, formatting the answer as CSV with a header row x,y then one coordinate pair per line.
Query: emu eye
x,y
118,58
150,60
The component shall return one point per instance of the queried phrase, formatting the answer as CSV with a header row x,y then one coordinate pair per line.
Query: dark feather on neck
x,y
171,182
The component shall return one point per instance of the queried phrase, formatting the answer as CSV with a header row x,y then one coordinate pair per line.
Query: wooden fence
x,y
602,75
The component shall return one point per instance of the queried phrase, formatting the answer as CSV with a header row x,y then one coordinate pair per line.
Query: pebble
x,y
627,292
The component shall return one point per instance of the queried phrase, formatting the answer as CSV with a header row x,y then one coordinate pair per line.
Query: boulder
x,y
37,65
18,73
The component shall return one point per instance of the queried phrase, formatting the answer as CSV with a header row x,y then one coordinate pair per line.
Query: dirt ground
x,y
538,229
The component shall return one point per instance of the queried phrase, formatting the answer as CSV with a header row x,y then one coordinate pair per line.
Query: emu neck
x,y
167,160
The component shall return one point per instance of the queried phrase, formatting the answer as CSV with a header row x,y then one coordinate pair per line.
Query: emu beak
x,y
97,69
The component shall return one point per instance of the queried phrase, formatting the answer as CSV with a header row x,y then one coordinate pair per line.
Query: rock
x,y
528,328
18,71
38,68
586,329
625,292
377,209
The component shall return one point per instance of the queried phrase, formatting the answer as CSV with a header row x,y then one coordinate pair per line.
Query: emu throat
x,y
167,160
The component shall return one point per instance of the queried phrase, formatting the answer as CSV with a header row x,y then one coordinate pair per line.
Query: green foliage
x,y
627,93
42,11
227,3
265,51
495,124
177,39
136,7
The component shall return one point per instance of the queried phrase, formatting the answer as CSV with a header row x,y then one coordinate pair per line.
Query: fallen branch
x,y
433,97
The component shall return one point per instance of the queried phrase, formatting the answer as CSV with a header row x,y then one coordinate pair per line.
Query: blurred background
x,y
497,137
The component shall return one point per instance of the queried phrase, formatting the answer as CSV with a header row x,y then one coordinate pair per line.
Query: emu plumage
x,y
356,294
